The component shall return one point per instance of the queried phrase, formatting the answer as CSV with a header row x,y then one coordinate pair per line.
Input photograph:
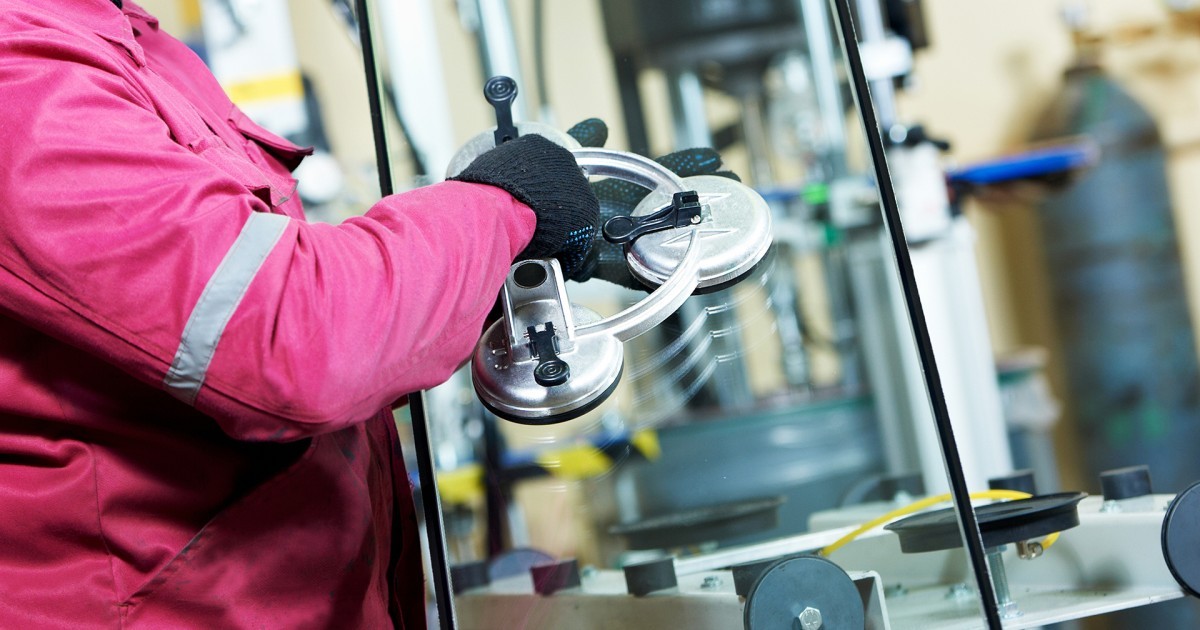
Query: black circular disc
x,y
999,523
709,523
1181,539
791,585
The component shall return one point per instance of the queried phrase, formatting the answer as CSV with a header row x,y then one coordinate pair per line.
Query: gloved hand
x,y
606,260
545,177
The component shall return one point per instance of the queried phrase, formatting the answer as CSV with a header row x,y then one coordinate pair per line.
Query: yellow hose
x,y
921,505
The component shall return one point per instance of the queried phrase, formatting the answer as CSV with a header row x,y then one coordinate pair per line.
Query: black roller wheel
x,y
804,592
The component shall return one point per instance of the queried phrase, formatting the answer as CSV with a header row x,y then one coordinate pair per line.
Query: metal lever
x,y
500,93
550,370
684,211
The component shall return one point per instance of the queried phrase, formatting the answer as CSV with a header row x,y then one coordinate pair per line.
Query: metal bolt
x,y
695,219
810,618
1004,602
1029,549
711,582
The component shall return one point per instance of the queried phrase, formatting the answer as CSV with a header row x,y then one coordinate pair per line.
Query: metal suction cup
x,y
486,141
804,592
734,229
548,360
549,374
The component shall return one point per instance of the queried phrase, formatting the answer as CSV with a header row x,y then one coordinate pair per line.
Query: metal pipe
x,y
417,83
870,23
758,146
498,48
688,115
968,524
826,84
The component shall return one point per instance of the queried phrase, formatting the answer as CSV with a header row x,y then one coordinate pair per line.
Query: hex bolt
x,y
711,582
810,619
1004,602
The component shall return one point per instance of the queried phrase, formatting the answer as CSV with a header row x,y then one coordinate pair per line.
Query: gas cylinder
x,y
1120,301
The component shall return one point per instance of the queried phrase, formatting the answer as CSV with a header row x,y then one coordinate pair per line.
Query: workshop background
x,y
986,80
992,72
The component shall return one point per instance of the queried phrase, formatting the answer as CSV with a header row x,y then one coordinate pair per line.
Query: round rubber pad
x,y
999,523
789,586
1181,539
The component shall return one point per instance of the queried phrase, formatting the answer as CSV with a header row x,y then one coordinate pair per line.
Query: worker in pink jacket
x,y
196,384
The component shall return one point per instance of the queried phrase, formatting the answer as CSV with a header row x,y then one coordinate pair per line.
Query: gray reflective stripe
x,y
217,303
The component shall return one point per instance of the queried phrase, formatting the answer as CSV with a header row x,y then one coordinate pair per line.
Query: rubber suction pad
x,y
999,523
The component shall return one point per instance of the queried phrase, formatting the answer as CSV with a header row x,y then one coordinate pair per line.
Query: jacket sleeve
x,y
118,240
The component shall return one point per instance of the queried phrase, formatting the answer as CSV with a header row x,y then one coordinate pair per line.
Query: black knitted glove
x,y
545,177
618,197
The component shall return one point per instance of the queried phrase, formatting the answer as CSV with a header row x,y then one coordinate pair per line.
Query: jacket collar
x,y
118,26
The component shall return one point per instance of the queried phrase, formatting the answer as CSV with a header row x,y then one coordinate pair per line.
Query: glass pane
x,y
754,419
757,424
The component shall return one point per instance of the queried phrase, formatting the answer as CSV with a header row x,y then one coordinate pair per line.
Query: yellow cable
x,y
921,505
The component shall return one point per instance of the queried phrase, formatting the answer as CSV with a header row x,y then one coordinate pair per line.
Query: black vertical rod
x,y
626,69
968,525
438,564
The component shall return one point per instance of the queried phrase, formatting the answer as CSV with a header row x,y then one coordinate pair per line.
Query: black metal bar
x,y
626,69
438,564
968,524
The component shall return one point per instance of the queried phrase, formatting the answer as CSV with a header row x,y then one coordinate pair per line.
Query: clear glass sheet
x,y
748,424
757,420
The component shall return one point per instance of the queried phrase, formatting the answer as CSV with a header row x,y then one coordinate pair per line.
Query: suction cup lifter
x,y
548,360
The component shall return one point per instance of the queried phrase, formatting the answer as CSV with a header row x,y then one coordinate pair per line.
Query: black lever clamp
x,y
543,344
683,211
500,93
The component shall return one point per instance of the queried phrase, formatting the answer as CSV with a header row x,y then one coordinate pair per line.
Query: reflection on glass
x,y
755,415
759,425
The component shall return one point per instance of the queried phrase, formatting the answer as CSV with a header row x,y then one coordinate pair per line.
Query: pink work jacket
x,y
195,383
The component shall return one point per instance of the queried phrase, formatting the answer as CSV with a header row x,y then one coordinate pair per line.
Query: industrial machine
x,y
1103,561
